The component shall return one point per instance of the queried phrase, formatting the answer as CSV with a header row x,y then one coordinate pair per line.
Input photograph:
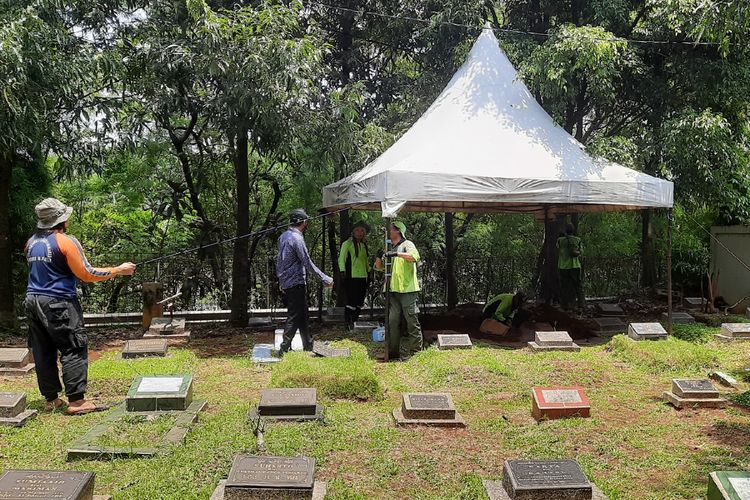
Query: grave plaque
x,y
15,361
545,479
610,310
365,326
428,409
699,393
734,331
646,331
454,341
270,472
167,326
553,341
160,393
723,379
609,325
259,322
559,402
325,350
729,485
679,318
13,410
695,302
145,347
288,402
60,485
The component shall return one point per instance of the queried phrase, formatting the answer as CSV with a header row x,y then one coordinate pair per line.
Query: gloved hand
x,y
392,253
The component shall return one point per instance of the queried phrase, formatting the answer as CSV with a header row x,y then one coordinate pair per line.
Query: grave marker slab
x,y
365,326
60,485
160,393
609,325
548,479
729,485
325,350
610,310
695,393
647,331
259,321
269,477
13,410
723,379
263,353
172,329
141,348
679,318
454,341
559,402
553,341
297,404
435,409
695,303
15,361
734,331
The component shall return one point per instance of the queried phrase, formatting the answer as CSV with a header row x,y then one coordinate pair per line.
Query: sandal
x,y
55,405
96,408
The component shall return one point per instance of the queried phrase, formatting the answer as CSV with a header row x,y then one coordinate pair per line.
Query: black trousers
x,y
56,328
571,288
295,299
356,291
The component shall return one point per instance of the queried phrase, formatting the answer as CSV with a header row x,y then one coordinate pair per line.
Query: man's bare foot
x,y
54,405
82,407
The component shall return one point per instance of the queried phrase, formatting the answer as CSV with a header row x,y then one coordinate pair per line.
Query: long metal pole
x,y
322,268
669,272
387,272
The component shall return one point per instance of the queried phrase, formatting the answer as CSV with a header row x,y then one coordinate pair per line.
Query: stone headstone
x,y
734,331
279,338
13,410
42,484
160,393
553,341
729,485
428,409
610,310
559,402
365,326
15,361
679,318
172,329
723,379
325,350
546,479
141,348
609,325
647,331
454,341
271,477
288,404
747,312
263,353
696,393
695,303
259,321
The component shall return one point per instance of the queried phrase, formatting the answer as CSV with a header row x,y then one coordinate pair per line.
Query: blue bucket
x,y
378,334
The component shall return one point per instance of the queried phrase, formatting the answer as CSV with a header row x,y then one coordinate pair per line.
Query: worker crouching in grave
x,y
354,263
404,288
291,265
503,312
55,316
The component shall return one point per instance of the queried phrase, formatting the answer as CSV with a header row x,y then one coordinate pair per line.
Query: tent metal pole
x,y
670,219
387,272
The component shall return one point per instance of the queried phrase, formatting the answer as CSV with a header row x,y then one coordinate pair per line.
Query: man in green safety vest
x,y
404,293
504,308
354,263
569,267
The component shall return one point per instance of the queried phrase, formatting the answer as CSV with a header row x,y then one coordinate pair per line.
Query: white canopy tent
x,y
486,145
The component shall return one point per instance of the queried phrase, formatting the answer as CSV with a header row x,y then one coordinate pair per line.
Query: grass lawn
x,y
633,446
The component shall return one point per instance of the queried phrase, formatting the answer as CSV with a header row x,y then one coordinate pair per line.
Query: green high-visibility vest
x,y
357,257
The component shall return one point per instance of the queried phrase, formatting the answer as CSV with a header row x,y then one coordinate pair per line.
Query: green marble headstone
x,y
160,393
729,485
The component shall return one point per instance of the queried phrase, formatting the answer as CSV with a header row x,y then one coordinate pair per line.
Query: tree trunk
x,y
238,303
648,250
7,306
338,274
450,263
549,285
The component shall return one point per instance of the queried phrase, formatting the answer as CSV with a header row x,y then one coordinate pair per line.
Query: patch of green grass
x,y
137,431
664,355
696,333
716,320
347,378
742,398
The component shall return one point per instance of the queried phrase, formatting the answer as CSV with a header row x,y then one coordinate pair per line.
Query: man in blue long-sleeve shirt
x,y
291,265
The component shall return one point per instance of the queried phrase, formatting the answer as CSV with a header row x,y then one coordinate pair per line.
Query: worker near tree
x,y
292,264
404,289
505,308
354,263
54,313
569,266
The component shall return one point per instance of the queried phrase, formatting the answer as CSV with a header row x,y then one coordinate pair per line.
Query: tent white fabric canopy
x,y
486,145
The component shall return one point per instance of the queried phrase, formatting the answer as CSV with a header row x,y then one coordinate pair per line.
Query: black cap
x,y
298,216
361,224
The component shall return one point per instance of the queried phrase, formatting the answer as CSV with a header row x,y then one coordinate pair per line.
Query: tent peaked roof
x,y
486,145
